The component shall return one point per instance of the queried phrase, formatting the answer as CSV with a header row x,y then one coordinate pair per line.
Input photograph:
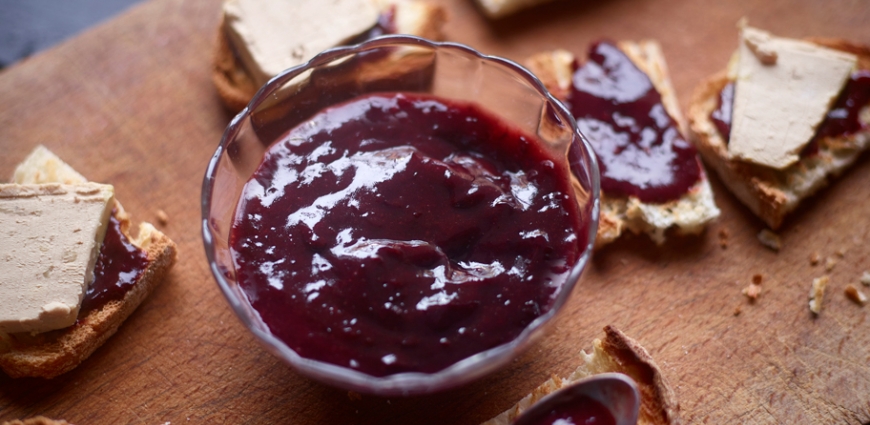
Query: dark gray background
x,y
28,26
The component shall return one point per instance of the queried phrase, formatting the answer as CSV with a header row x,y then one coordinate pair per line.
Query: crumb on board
x,y
815,258
162,217
737,310
830,262
817,293
770,239
757,279
752,292
865,279
723,238
841,252
855,294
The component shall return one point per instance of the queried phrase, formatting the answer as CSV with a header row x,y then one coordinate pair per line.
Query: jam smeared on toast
x,y
843,119
579,410
117,269
721,116
403,233
639,146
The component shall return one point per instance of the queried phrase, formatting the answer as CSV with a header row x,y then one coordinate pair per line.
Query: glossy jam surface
x,y
401,233
578,410
117,269
842,119
721,116
639,147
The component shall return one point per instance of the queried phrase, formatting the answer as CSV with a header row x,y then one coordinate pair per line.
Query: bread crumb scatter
x,y
815,258
865,279
854,294
830,262
752,292
162,217
770,239
723,238
817,293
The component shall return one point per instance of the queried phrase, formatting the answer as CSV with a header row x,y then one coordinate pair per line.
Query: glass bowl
x,y
392,63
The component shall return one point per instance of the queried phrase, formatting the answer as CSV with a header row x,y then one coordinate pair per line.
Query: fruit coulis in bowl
x,y
401,232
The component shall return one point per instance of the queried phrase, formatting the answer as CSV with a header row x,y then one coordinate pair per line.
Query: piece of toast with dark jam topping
x,y
773,193
635,126
52,353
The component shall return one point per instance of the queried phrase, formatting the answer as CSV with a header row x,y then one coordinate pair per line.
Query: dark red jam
x,y
721,116
639,147
842,119
577,410
403,233
117,269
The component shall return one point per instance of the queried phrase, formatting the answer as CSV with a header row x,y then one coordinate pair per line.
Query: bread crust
x,y
235,86
692,211
53,353
772,194
37,420
615,353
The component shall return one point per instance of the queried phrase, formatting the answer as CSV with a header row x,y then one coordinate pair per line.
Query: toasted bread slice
x,y
616,353
50,354
500,8
692,211
236,86
769,193
37,420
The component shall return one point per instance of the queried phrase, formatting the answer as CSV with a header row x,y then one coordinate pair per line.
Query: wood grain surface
x,y
131,103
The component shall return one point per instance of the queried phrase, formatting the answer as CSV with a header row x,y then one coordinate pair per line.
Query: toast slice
x,y
495,9
616,353
771,193
52,353
236,86
690,213
37,420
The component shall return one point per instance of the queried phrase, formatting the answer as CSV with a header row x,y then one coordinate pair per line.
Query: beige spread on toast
x,y
615,353
784,90
688,214
52,235
51,353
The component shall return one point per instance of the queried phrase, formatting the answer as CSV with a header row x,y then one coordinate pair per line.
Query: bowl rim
x,y
406,383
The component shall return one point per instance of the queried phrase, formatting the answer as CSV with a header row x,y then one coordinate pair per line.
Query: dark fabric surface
x,y
28,26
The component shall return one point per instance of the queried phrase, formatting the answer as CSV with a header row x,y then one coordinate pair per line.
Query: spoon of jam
x,y
604,399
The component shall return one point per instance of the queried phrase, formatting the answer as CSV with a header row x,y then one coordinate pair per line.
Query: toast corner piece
x,y
615,353
619,353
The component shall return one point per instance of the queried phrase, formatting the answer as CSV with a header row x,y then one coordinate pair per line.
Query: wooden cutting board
x,y
131,103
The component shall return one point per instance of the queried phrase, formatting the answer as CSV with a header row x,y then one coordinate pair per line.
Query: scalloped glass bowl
x,y
392,63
